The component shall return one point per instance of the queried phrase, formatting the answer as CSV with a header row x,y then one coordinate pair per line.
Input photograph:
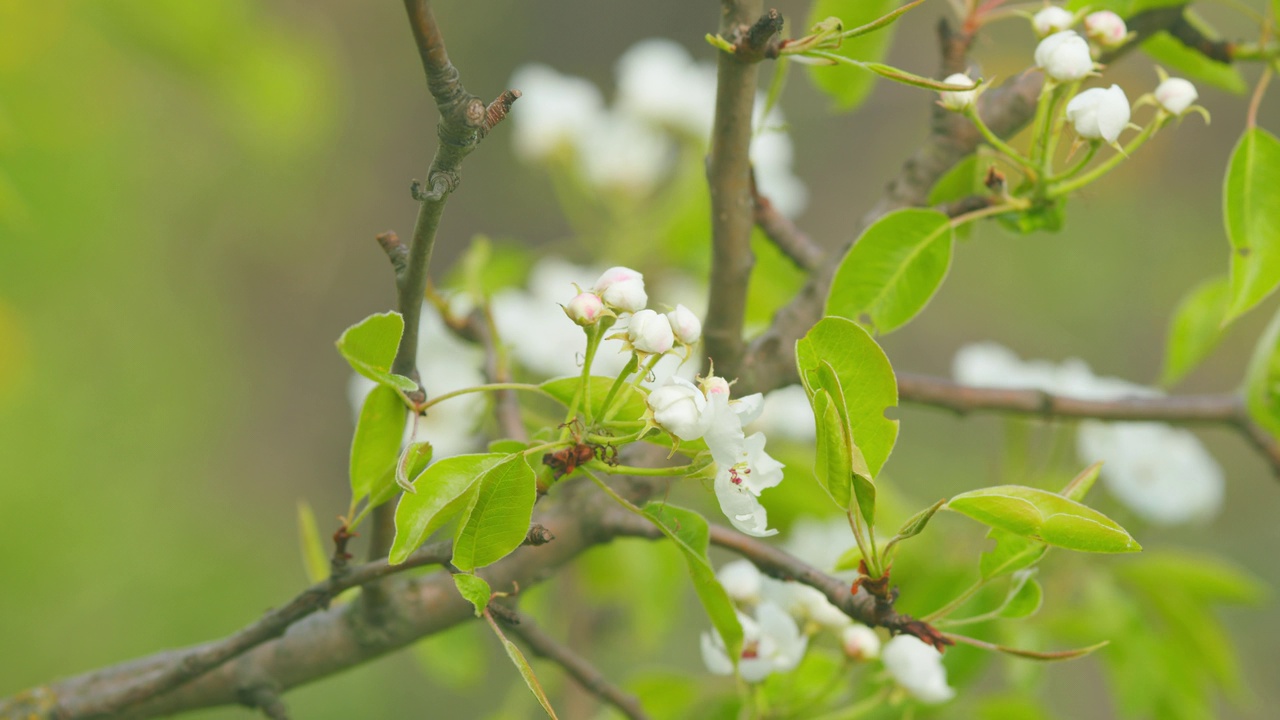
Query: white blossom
x,y
1161,473
860,642
680,408
650,332
771,643
1052,19
620,152
819,542
771,156
554,110
1064,56
742,580
1099,114
787,413
958,99
1176,95
622,288
744,469
659,82
917,666
685,324
807,605
1106,27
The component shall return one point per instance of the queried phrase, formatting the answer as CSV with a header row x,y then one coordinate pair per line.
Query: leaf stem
x,y
630,367
1106,166
490,387
1003,147
955,603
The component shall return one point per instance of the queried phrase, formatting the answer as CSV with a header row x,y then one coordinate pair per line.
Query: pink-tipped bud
x,y
686,325
622,289
650,332
1106,28
585,308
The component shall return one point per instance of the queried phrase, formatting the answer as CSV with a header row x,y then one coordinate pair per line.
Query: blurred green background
x,y
188,197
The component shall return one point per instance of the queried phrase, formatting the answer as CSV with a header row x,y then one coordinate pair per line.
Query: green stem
x,y
957,602
527,387
615,439
617,498
594,333
1071,171
994,141
674,471
631,366
855,524
1012,205
1040,126
1063,188
635,383
1056,123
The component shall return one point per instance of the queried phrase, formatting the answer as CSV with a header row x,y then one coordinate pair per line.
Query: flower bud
x,y
1176,95
1106,27
958,100
585,308
650,332
622,288
1064,56
680,408
715,385
742,581
1052,19
860,642
686,325
1099,114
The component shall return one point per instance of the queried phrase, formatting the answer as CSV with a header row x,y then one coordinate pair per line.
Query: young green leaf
x,y
850,86
857,473
866,379
1081,484
443,492
1024,598
1045,516
1029,654
376,444
1011,553
963,180
498,519
1253,220
1195,328
831,463
370,347
314,557
413,461
526,670
474,589
893,270
628,405
1192,64
1262,379
914,525
688,530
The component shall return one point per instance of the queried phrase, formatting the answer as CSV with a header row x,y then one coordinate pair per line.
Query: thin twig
x,y
1221,409
578,667
266,697
783,233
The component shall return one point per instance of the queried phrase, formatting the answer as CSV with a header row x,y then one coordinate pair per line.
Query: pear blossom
x,y
1176,95
744,469
1099,114
1052,19
585,308
818,541
650,332
771,643
743,581
680,408
685,324
622,288
1160,472
787,413
1064,56
917,666
958,100
860,642
771,155
807,605
1106,27
659,82
620,152
554,110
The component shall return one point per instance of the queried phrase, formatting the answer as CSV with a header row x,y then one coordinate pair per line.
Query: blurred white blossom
x,y
622,153
771,643
658,81
787,414
553,112
860,642
743,581
917,666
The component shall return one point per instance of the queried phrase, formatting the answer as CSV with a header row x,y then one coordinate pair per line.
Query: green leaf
x,y
1045,516
1081,484
629,404
526,672
1195,328
1253,219
1024,598
1192,64
376,444
314,557
963,180
1011,553
893,270
849,86
914,525
867,380
831,464
443,492
370,347
1048,656
474,589
497,521
413,461
1262,379
688,530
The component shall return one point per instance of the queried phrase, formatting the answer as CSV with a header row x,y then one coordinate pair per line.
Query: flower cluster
x,y
663,99
1161,473
743,469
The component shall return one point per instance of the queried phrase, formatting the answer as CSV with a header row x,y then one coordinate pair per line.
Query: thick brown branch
x,y
578,667
1224,409
729,179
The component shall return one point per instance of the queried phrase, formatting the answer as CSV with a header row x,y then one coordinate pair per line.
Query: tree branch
x,y
729,179
578,667
1223,409
791,240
